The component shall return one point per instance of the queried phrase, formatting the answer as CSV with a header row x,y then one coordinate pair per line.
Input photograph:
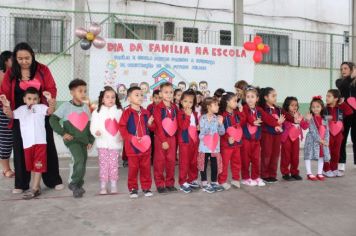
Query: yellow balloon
x,y
260,46
90,36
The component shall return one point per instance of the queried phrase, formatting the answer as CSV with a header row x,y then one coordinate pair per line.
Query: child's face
x,y
251,98
181,87
271,98
239,93
214,107
31,99
156,99
232,103
136,97
330,99
79,93
167,93
187,102
178,96
109,98
122,90
293,107
316,108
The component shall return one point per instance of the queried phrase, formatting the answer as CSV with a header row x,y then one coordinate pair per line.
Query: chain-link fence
x,y
300,63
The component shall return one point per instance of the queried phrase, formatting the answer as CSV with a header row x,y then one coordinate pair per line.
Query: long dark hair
x,y
264,92
226,97
349,64
102,94
4,56
186,93
207,102
287,103
16,69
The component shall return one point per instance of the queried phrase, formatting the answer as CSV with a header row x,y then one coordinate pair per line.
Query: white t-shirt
x,y
32,124
192,120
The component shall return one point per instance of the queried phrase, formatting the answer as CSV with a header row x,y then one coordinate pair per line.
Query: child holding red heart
x,y
336,111
104,127
211,126
133,126
292,131
316,145
234,120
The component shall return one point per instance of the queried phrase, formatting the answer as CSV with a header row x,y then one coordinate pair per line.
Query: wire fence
x,y
300,63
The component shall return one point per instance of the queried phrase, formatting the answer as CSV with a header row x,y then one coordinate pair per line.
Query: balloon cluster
x,y
89,37
259,47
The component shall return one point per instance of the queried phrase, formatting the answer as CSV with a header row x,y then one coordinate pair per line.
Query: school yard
x,y
284,208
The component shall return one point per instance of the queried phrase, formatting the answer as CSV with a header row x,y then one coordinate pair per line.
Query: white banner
x,y
124,63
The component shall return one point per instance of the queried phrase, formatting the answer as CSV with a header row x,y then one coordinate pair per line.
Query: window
x,y
279,49
225,37
44,35
148,32
190,35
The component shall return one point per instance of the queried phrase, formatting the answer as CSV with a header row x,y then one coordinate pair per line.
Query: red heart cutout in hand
x,y
192,131
335,127
352,102
112,126
275,116
79,121
252,129
211,141
236,133
322,131
294,133
170,126
141,143
30,83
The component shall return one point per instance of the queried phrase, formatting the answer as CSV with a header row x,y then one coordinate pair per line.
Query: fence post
x,y
298,52
331,61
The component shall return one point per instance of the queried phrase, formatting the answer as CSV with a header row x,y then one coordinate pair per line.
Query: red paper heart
x,y
170,126
142,144
322,131
112,126
192,130
335,127
236,133
275,116
352,102
30,83
252,129
294,133
79,121
211,141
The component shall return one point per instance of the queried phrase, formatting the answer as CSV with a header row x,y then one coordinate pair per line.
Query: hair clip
x,y
224,94
249,88
319,97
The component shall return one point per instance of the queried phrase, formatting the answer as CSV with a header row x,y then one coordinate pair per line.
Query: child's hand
x,y
231,140
86,101
281,119
278,129
341,100
165,146
89,146
98,133
298,118
47,95
220,120
308,116
150,120
67,137
257,122
4,101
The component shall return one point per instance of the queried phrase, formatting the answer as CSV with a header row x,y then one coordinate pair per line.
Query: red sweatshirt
x,y
235,119
160,112
345,109
183,125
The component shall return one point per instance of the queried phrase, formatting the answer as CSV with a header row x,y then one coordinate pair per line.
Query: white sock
x,y
320,165
308,167
102,185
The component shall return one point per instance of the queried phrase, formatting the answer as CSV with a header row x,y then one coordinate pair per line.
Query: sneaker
x,y
339,173
297,177
185,188
209,189
113,189
17,191
134,193
249,182
59,187
270,180
320,177
194,184
147,193
259,182
329,174
226,186
287,178
236,183
77,192
161,190
342,166
171,189
103,191
312,177
217,187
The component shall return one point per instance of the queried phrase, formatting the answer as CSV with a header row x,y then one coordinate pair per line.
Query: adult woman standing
x,y
5,132
27,72
347,86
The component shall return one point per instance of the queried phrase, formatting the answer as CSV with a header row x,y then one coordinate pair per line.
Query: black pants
x,y
213,166
349,123
22,177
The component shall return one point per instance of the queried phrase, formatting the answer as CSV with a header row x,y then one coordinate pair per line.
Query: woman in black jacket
x,y
347,86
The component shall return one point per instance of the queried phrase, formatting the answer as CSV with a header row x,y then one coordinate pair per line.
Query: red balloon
x,y
257,40
266,49
257,56
250,46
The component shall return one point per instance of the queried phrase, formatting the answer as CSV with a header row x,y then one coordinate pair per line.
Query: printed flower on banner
x,y
259,47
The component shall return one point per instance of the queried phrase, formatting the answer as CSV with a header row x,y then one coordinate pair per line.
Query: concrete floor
x,y
284,208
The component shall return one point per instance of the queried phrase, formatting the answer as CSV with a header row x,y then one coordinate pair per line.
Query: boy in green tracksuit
x,y
75,131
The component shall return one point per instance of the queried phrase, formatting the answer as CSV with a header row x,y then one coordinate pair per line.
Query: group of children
x,y
246,132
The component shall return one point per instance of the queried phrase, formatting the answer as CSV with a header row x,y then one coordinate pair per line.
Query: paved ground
x,y
293,208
